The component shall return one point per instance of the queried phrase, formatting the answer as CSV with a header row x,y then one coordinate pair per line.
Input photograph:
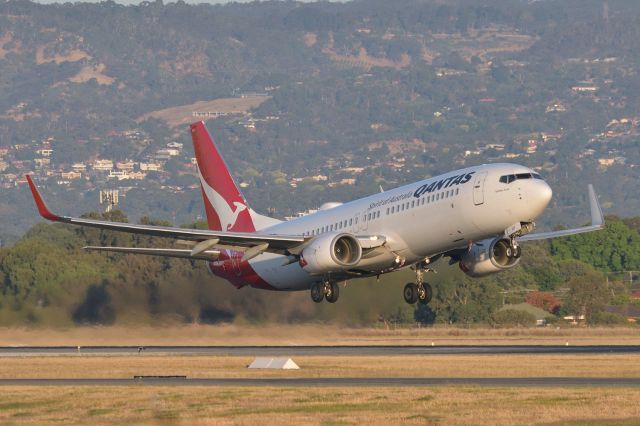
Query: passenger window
x,y
437,197
412,204
350,221
457,191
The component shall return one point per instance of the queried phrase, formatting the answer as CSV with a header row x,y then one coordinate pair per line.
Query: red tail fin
x,y
226,208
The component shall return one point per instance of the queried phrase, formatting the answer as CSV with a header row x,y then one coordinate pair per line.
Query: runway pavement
x,y
314,350
341,382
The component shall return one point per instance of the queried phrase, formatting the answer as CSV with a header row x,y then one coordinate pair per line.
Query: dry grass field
x,y
199,405
367,405
324,334
446,366
182,115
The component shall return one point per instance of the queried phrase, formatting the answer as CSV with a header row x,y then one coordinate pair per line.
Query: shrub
x,y
513,318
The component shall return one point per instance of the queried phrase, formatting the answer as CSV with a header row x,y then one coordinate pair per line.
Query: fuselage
x,y
418,221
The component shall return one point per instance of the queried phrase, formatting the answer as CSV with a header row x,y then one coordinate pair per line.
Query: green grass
x,y
319,408
100,411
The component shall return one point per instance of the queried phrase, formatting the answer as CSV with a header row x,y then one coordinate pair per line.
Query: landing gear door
x,y
478,188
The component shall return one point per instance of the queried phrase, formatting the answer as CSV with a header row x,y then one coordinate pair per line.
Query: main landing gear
x,y
419,291
326,290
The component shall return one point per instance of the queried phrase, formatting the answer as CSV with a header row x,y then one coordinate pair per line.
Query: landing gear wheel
x,y
517,252
332,292
425,293
317,293
410,293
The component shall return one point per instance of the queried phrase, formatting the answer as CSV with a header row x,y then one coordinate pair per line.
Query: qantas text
x,y
444,183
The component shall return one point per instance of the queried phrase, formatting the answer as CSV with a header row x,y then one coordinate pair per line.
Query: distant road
x,y
341,381
313,350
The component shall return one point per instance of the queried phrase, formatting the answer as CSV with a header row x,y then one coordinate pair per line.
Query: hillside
x,y
97,96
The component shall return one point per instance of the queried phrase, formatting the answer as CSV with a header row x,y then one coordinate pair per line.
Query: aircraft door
x,y
478,188
364,223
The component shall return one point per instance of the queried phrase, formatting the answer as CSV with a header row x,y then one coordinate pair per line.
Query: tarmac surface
x,y
340,382
315,350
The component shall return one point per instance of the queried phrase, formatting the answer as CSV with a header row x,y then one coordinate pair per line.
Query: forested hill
x,y
314,102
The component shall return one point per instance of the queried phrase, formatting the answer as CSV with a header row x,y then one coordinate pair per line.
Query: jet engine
x,y
488,257
331,253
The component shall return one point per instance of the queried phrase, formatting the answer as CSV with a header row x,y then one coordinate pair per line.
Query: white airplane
x,y
475,216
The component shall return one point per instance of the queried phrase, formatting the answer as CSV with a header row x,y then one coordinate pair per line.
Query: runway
x,y
341,382
315,350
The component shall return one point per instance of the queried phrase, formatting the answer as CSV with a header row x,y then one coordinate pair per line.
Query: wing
x,y
204,239
597,222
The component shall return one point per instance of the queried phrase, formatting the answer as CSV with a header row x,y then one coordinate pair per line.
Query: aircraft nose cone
x,y
541,196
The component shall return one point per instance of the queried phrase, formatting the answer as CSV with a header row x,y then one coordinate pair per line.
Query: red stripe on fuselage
x,y
230,267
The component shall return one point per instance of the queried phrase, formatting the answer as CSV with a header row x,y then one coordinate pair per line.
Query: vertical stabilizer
x,y
226,208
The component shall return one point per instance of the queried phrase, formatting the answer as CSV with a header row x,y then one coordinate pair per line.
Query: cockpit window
x,y
507,178
511,178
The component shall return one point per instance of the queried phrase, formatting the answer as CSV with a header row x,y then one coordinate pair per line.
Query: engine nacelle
x,y
331,253
488,257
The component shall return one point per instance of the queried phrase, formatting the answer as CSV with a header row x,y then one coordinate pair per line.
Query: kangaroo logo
x,y
226,214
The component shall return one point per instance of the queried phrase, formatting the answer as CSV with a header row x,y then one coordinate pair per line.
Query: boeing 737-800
x,y
476,217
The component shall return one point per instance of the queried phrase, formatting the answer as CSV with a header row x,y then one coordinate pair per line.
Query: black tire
x,y
317,293
334,293
427,294
410,293
517,252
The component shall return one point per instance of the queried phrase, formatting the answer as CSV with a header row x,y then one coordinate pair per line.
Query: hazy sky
x,y
168,1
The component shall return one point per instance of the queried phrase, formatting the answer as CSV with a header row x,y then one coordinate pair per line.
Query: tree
x,y
543,300
588,295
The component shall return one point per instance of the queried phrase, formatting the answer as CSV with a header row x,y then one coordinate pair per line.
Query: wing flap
x,y
166,252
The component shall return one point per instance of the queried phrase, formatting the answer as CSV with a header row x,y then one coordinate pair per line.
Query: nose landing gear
x,y
514,251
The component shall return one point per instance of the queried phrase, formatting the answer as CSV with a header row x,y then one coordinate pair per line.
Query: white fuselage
x,y
418,221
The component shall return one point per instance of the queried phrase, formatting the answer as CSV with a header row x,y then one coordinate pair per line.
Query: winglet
x,y
42,207
597,218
